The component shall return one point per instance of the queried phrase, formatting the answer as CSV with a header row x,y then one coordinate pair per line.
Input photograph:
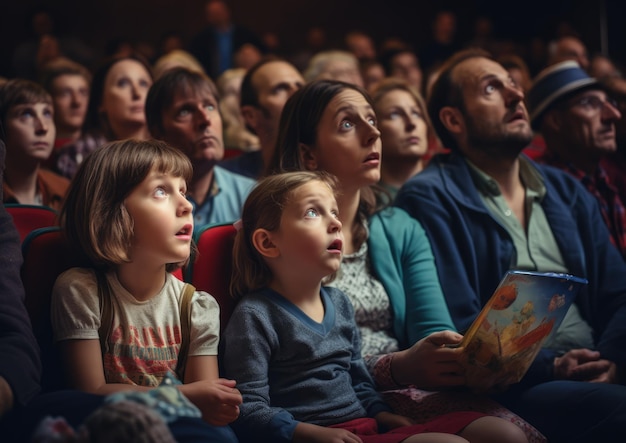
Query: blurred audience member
x,y
443,39
216,45
264,90
68,84
46,43
405,132
401,62
315,41
372,72
115,111
518,70
236,135
601,66
361,45
568,47
176,58
334,65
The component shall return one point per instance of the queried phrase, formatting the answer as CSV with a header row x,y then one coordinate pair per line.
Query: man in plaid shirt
x,y
577,120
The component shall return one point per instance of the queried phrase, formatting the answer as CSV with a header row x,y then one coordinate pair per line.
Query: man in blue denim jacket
x,y
488,209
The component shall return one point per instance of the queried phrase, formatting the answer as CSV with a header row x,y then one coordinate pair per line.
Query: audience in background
x,y
115,111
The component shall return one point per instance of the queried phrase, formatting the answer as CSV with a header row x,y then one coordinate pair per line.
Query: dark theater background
x,y
600,23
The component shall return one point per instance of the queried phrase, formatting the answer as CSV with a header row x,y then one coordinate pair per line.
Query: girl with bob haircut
x,y
291,342
388,271
127,213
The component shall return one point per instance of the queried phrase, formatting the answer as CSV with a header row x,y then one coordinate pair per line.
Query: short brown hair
x,y
445,92
19,91
161,93
94,218
263,209
62,66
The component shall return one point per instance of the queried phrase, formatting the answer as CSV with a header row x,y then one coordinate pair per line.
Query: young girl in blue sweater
x,y
292,343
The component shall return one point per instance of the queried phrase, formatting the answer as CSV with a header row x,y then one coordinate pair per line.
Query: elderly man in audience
x,y
577,120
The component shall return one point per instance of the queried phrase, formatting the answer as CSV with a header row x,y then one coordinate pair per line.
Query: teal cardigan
x,y
402,259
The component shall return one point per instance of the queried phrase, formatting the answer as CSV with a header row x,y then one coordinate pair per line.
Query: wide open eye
x,y
311,213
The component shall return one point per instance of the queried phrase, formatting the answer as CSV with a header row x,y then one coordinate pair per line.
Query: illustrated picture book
x,y
524,311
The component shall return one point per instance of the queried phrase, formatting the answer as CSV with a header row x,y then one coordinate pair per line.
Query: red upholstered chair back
x,y
27,218
211,267
46,256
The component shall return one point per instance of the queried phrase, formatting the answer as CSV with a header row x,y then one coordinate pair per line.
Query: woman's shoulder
x,y
395,218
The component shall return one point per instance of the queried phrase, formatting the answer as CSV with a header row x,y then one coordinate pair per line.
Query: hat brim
x,y
574,86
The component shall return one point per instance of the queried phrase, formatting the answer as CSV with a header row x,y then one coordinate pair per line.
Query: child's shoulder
x,y
338,298
178,288
80,276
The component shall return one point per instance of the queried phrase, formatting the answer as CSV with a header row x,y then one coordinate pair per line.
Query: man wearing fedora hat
x,y
488,209
577,120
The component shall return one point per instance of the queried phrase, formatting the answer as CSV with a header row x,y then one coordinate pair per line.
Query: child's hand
x,y
218,400
308,433
392,421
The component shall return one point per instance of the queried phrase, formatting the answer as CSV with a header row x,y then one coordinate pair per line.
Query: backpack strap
x,y
185,329
106,319
106,310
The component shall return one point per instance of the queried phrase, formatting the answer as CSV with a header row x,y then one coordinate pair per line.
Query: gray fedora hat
x,y
554,83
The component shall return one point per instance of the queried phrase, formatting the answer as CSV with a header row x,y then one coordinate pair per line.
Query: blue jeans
x,y
572,411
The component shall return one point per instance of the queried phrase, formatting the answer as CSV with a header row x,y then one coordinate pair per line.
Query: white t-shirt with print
x,y
145,338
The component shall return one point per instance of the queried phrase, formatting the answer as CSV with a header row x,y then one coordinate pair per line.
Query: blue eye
x,y
311,213
160,192
346,124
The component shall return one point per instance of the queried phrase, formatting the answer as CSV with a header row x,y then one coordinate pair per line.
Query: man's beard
x,y
493,140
